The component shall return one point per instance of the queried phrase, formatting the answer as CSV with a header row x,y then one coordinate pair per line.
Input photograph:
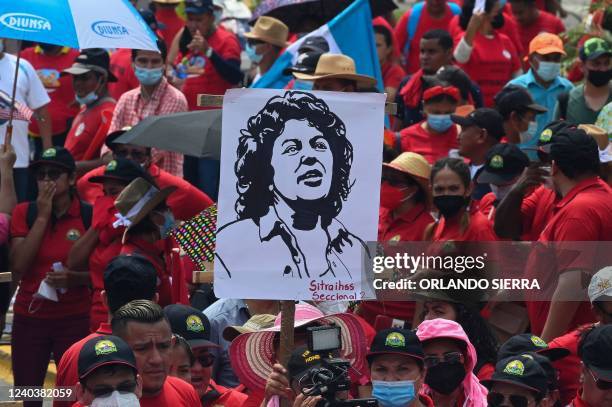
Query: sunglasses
x,y
128,387
206,360
451,357
52,173
497,399
601,384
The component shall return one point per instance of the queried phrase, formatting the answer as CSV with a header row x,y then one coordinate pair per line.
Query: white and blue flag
x,y
349,33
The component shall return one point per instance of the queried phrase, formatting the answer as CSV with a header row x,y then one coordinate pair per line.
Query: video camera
x,y
332,376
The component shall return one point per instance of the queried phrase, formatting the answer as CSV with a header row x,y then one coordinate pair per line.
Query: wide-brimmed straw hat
x,y
415,166
270,30
339,67
137,200
252,354
254,324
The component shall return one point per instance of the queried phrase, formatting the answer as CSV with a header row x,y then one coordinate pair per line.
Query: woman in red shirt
x,y
388,56
51,309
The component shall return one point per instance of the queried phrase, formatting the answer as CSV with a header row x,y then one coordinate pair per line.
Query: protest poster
x,y
299,194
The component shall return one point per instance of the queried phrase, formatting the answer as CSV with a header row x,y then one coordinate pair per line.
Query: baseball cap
x,y
314,43
485,118
133,273
254,324
546,43
191,324
398,342
120,169
56,156
601,284
504,162
92,59
574,143
594,48
552,128
199,6
103,351
306,63
522,371
302,360
513,98
519,344
111,137
595,352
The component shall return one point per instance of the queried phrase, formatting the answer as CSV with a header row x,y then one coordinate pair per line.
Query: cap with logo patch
x,y
314,43
593,48
522,343
396,341
191,324
485,118
103,351
594,351
92,59
522,371
56,156
514,98
121,169
504,162
306,63
302,360
601,285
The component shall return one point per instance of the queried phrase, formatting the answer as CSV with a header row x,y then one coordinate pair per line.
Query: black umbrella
x,y
307,15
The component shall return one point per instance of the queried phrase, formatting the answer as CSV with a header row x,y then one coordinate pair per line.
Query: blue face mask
x,y
148,76
88,99
548,71
299,84
218,14
527,135
169,222
439,122
393,394
252,54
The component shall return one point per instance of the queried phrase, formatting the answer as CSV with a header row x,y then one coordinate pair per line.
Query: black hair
x,y
444,38
456,165
117,295
389,153
161,45
584,333
576,155
429,81
142,311
468,8
479,333
456,77
381,29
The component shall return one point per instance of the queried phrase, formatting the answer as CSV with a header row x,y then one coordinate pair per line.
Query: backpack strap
x,y
563,100
398,142
413,24
31,214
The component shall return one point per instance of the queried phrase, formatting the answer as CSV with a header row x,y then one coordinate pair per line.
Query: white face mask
x,y
116,399
500,191
528,134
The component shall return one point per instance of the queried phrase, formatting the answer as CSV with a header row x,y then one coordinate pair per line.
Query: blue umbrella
x,y
76,24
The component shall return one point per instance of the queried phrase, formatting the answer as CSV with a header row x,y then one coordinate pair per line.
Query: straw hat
x,y
599,134
414,165
256,323
137,200
270,30
252,354
339,67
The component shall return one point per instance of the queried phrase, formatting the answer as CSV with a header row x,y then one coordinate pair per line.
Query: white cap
x,y
601,284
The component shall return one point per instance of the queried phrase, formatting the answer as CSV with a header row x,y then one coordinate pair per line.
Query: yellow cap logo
x,y
49,153
73,235
194,324
539,342
395,340
604,284
111,166
515,368
546,135
497,162
396,238
104,347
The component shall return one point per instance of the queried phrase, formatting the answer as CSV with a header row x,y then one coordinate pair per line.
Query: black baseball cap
x,y
485,118
522,371
523,343
131,273
191,324
199,6
56,156
111,137
593,48
398,342
594,351
92,59
552,128
552,374
504,162
513,98
121,169
573,142
302,360
149,17
314,43
306,63
103,351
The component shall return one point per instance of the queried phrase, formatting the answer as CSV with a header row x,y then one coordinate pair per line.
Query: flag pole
x,y
9,127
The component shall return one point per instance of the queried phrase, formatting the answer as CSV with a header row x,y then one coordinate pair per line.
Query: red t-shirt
x,y
432,146
49,69
545,22
186,202
176,392
85,126
478,230
168,17
537,210
226,45
68,368
426,23
121,67
57,242
227,398
491,64
486,372
408,227
486,207
582,215
392,75
578,402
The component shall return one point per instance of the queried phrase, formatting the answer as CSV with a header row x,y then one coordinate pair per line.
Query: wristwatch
x,y
208,52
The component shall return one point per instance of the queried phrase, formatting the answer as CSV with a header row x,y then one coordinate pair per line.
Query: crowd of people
x,y
491,142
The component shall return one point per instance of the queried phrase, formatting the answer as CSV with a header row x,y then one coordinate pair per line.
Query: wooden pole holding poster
x,y
286,337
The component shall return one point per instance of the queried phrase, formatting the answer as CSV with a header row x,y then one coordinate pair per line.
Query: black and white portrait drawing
x,y
284,214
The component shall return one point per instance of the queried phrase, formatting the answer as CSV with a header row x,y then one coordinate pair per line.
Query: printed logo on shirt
x,y
104,347
515,368
80,129
49,78
506,54
73,235
395,340
25,22
194,324
110,29
539,342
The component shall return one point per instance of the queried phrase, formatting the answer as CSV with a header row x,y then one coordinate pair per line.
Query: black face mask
x,y
449,205
445,377
48,47
599,78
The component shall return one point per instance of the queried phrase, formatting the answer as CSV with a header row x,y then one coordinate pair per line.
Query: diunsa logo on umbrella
x,y
109,29
25,22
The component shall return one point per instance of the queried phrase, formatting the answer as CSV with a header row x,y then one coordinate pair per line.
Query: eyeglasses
x,y
601,384
451,357
497,399
134,154
127,387
206,360
52,173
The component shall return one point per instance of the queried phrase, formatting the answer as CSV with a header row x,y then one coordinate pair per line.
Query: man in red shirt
x,y
194,326
126,278
532,21
186,202
49,61
143,325
165,13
